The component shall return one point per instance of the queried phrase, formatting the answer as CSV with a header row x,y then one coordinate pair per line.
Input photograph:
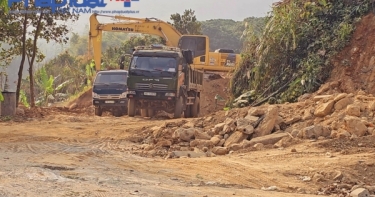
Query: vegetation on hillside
x,y
227,33
292,55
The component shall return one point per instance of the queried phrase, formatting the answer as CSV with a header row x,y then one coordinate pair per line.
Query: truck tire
x,y
98,111
131,107
187,112
178,108
195,108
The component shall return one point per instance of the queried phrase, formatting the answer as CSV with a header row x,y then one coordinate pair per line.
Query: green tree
x,y
187,23
4,5
32,27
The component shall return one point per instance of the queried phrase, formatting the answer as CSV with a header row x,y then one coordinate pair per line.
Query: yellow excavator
x,y
222,60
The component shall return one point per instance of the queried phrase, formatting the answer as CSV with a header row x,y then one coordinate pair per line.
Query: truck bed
x,y
195,81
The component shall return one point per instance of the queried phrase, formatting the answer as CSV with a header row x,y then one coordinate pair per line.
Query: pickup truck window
x,y
110,78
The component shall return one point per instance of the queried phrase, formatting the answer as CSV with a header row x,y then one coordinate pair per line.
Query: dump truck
x,y
163,78
109,92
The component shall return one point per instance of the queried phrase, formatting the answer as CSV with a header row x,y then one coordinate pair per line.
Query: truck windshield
x,y
111,78
153,66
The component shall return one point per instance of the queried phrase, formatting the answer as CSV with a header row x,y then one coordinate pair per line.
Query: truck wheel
x,y
131,107
187,112
98,111
195,108
178,108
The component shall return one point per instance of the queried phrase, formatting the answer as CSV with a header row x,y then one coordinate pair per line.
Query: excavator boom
x,y
199,44
144,26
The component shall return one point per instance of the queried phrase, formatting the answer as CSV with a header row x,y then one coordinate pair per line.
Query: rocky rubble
x,y
318,117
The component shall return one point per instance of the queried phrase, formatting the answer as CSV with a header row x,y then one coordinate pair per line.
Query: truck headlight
x,y
170,94
95,95
123,95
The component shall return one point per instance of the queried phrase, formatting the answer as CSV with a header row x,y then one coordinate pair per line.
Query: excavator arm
x,y
132,25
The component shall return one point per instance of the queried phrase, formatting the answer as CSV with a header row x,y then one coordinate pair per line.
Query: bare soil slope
x,y
354,66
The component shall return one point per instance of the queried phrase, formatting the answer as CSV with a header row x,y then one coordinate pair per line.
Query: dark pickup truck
x,y
109,92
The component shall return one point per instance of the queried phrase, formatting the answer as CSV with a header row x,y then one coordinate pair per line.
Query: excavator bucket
x,y
198,44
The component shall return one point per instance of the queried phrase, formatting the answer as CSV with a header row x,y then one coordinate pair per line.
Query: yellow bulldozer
x,y
221,60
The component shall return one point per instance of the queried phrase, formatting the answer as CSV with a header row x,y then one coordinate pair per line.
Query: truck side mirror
x,y
188,55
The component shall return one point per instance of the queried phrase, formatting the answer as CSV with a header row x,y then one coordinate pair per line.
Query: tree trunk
x,y
22,60
31,63
8,106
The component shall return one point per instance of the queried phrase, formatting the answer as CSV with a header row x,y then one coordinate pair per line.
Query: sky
x,y
204,9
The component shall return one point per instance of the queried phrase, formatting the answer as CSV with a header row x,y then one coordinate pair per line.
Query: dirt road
x,y
64,155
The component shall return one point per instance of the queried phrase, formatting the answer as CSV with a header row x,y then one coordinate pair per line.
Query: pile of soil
x,y
84,101
211,88
354,66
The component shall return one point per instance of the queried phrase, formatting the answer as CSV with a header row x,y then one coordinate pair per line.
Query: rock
x,y
343,134
251,118
371,106
219,127
314,131
221,143
320,97
185,134
201,143
340,96
244,125
307,114
256,111
324,109
360,192
236,137
268,123
353,110
338,176
267,139
258,146
355,126
220,150
164,143
201,135
235,147
284,142
208,119
215,140
191,154
188,125
341,104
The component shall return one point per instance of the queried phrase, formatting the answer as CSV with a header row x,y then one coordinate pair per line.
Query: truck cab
x,y
160,79
109,92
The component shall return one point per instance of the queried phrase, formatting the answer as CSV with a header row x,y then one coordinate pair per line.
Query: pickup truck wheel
x,y
98,111
195,108
131,107
178,108
187,112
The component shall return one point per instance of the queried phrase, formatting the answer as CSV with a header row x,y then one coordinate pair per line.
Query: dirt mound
x,y
83,101
354,66
212,87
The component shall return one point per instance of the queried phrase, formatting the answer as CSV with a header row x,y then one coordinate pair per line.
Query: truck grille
x,y
149,86
109,96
